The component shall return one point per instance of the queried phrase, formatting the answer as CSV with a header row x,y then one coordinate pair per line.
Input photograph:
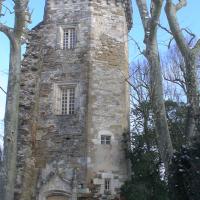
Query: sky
x,y
188,18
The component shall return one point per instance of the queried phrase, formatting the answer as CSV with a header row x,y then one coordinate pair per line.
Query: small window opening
x,y
65,100
105,139
107,184
68,101
69,38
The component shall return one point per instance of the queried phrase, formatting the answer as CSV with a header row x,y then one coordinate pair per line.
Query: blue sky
x,y
188,18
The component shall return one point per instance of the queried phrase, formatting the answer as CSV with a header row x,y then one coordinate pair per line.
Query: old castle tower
x,y
74,102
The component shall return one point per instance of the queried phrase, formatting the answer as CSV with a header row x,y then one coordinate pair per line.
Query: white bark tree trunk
x,y
150,22
12,104
190,59
11,121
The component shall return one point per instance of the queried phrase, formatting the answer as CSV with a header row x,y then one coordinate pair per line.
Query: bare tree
x,y
173,68
150,21
140,99
190,56
15,35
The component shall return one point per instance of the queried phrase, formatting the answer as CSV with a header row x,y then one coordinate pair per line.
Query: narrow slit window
x,y
69,38
107,184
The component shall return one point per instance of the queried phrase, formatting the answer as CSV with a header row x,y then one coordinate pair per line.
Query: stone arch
x,y
55,189
55,182
57,195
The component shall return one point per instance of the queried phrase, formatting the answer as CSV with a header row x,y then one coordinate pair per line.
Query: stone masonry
x,y
63,156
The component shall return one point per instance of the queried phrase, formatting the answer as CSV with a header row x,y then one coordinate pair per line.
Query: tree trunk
x,y
150,24
158,104
192,124
21,18
11,121
190,59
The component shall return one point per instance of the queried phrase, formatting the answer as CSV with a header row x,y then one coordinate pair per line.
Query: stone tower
x,y
74,102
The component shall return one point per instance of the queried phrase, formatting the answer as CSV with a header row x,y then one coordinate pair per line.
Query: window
x,y
65,100
69,38
105,139
68,101
107,184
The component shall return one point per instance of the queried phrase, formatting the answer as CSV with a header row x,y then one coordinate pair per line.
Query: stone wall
x,y
63,153
108,96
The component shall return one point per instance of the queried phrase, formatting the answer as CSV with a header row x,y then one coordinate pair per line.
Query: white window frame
x,y
64,105
69,38
67,101
106,139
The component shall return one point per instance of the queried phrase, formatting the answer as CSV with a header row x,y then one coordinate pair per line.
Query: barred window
x,y
105,139
65,100
69,38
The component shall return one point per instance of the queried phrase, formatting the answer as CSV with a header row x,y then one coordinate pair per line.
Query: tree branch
x,y
3,90
196,48
8,31
170,41
177,81
171,10
137,45
165,29
181,4
142,6
156,6
190,33
1,6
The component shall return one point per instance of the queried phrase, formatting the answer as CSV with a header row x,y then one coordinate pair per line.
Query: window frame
x,y
59,108
106,139
107,184
70,42
67,100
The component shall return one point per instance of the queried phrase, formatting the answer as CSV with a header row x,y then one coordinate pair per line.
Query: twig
x,y
164,28
190,33
6,73
170,41
3,90
11,12
138,47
